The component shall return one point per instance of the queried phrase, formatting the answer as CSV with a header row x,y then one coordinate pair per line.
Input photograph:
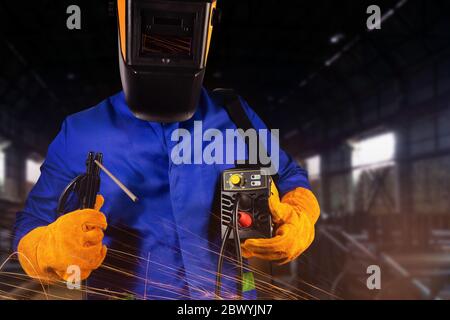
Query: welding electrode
x,y
127,191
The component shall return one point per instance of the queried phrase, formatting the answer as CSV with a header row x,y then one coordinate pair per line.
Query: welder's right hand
x,y
74,239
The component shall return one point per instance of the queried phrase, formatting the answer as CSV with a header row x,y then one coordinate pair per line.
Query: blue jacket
x,y
165,245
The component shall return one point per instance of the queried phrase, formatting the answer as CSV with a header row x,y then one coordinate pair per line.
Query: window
x,y
374,152
2,167
33,168
313,167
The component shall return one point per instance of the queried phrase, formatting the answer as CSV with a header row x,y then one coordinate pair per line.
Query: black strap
x,y
235,110
233,105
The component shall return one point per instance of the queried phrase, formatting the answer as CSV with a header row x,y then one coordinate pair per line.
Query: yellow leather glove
x,y
75,238
294,218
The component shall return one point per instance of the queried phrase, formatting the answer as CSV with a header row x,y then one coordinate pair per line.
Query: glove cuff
x,y
303,201
28,249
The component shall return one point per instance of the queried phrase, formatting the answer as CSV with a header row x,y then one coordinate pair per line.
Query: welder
x,y
160,247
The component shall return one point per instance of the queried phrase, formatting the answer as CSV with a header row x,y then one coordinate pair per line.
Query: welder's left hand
x,y
294,218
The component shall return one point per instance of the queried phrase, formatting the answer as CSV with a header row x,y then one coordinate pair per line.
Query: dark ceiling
x,y
264,49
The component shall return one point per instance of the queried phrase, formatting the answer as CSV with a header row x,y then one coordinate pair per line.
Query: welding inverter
x,y
244,195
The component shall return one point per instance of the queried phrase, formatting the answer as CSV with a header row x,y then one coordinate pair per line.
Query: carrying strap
x,y
234,108
233,105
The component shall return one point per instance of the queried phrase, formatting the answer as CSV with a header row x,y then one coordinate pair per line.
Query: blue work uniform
x,y
164,246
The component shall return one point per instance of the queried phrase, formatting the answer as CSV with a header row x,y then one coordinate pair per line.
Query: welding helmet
x,y
163,47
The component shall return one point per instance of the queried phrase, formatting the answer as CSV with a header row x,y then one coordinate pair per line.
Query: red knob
x,y
245,220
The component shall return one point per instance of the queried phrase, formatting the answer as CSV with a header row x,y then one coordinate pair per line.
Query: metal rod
x,y
117,181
